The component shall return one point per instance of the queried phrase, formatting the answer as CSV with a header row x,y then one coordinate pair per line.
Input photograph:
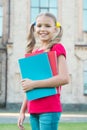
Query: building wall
x,y
18,29
71,22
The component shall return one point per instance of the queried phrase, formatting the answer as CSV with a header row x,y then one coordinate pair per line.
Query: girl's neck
x,y
41,46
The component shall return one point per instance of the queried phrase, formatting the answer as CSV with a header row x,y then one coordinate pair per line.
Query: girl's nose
x,y
43,28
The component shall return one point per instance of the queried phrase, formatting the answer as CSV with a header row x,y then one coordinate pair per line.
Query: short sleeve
x,y
59,48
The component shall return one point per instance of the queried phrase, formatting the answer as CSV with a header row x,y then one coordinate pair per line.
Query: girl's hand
x,y
20,121
27,84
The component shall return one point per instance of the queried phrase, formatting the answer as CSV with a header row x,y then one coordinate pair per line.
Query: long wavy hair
x,y
31,40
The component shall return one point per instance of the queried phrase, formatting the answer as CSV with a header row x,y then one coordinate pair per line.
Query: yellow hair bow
x,y
58,25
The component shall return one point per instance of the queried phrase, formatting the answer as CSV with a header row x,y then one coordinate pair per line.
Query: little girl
x,y
45,34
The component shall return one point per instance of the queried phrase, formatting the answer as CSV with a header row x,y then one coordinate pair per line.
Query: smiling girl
x,y
45,34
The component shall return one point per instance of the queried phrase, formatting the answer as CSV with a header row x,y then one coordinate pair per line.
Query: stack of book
x,y
39,66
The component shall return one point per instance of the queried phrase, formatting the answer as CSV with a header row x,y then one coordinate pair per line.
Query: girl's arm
x,y
22,114
24,106
61,79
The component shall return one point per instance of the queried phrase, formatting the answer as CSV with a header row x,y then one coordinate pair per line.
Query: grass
x,y
62,126
73,126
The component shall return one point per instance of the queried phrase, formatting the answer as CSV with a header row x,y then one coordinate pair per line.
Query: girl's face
x,y
45,28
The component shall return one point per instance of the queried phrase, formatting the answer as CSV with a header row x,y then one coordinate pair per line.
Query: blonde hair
x,y
31,41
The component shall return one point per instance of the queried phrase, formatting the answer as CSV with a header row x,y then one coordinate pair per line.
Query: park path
x,y
11,117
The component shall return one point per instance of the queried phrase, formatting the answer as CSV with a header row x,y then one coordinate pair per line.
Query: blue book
x,y
37,67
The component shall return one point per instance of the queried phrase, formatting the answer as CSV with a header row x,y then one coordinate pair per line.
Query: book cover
x,y
52,59
37,67
53,63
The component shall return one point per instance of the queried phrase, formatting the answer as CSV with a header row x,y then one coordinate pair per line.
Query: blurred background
x,y
15,17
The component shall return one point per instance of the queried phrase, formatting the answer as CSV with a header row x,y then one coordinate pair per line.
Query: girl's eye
x,y
39,25
47,25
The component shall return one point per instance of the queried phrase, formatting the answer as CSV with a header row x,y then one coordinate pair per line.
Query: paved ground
x,y
11,116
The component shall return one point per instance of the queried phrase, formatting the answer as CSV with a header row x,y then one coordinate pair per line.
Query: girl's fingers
x,y
20,125
23,80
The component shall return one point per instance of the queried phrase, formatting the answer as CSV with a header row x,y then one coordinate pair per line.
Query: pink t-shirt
x,y
51,103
